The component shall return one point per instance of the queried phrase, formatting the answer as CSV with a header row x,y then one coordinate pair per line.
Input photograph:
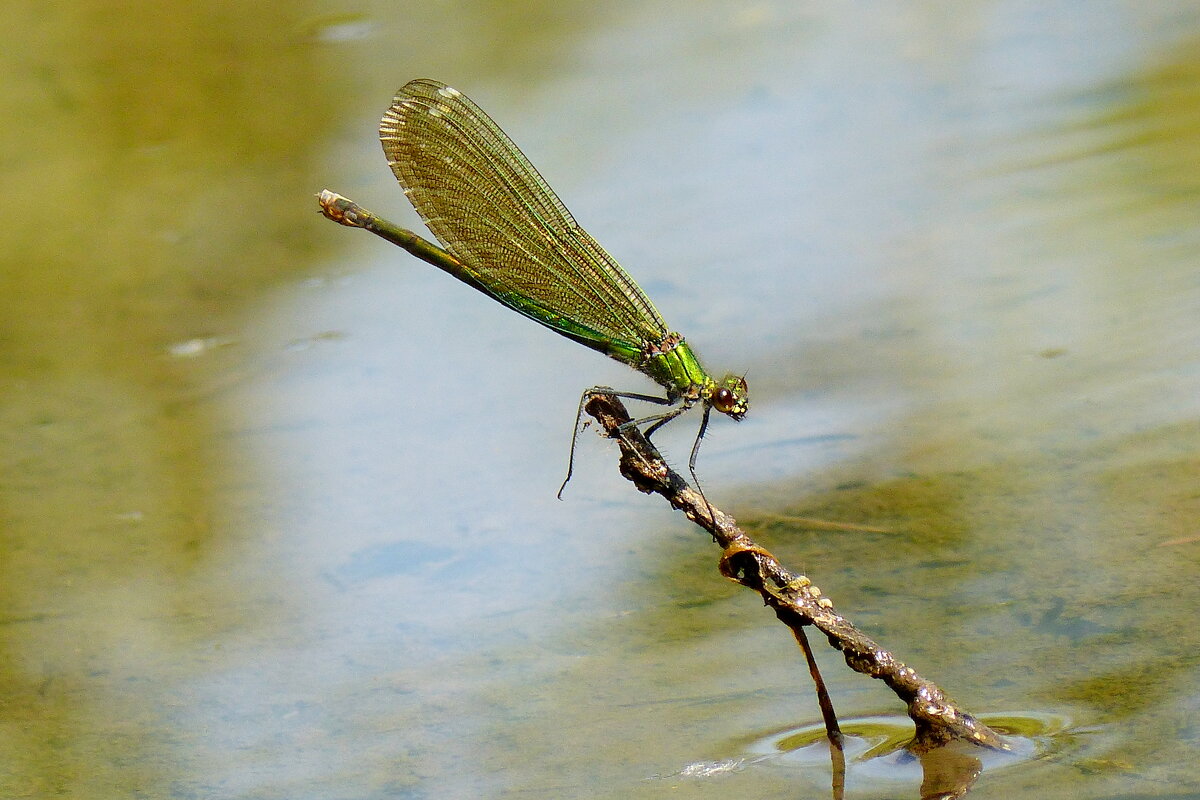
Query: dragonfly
x,y
503,231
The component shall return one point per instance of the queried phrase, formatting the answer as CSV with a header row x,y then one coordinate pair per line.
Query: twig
x,y
794,598
833,732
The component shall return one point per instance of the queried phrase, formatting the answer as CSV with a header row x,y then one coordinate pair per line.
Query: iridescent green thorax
x,y
671,363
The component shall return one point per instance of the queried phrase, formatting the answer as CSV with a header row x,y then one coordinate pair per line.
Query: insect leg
x,y
658,419
588,394
692,460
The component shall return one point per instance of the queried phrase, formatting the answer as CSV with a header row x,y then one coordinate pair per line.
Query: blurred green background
x,y
277,514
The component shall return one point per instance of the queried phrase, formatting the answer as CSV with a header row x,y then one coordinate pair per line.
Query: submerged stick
x,y
797,602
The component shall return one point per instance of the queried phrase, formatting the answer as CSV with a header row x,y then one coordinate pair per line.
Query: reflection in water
x,y
878,761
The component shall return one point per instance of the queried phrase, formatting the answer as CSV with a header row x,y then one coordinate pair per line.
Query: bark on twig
x,y
794,598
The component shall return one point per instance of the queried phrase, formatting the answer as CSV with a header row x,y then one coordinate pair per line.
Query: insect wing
x,y
495,213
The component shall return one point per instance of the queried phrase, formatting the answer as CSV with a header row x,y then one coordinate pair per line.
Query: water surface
x,y
278,517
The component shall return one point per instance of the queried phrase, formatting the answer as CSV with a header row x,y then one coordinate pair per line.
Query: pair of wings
x,y
514,238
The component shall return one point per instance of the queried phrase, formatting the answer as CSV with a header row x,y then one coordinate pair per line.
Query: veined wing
x,y
493,212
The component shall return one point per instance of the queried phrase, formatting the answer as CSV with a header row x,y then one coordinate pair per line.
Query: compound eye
x,y
723,400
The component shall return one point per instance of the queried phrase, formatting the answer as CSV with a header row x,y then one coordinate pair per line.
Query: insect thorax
x,y
672,364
